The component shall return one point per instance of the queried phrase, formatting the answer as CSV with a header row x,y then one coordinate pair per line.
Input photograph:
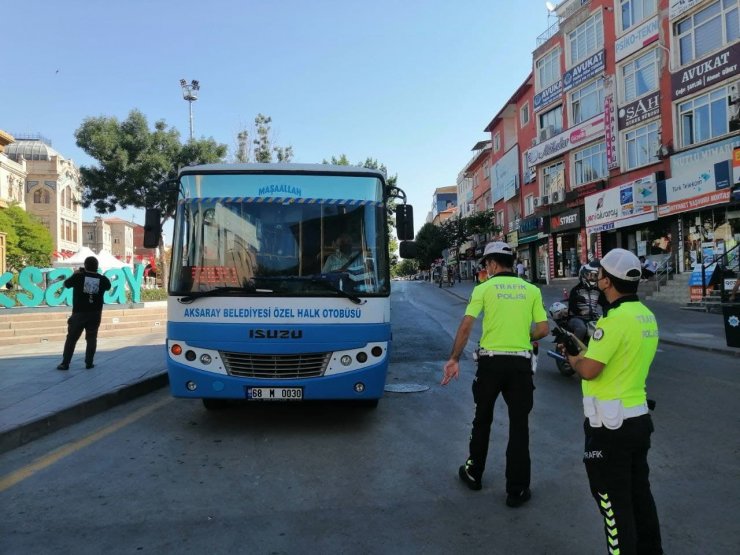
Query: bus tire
x,y
368,403
215,404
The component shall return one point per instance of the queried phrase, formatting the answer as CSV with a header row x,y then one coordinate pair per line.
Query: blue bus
x,y
279,284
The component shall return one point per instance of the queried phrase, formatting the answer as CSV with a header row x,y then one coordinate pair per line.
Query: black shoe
x,y
89,365
63,366
518,499
471,482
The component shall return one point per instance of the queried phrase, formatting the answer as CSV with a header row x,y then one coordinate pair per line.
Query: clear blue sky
x,y
411,83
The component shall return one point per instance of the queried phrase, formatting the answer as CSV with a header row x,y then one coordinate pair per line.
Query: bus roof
x,y
283,168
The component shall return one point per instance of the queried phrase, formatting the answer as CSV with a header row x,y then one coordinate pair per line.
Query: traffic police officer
x,y
505,365
618,426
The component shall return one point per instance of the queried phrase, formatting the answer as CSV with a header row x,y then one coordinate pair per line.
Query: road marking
x,y
41,463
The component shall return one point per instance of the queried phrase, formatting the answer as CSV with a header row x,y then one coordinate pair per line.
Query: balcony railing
x,y
547,35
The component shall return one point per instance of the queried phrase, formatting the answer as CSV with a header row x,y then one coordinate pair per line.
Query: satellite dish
x,y
550,6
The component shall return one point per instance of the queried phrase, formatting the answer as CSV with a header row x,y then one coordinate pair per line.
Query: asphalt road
x,y
160,475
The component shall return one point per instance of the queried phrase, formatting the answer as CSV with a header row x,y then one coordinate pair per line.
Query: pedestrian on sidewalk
x,y
618,427
88,287
505,365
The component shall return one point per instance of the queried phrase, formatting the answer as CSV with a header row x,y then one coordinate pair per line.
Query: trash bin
x,y
731,317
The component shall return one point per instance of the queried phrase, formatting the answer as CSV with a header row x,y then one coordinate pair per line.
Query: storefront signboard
x,y
505,175
693,184
582,72
565,141
548,95
640,110
531,226
570,219
736,165
610,124
706,72
677,7
637,39
513,238
619,206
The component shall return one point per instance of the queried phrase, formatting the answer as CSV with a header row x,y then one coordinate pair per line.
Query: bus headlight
x,y
346,360
205,358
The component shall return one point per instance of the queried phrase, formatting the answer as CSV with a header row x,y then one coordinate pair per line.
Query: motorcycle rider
x,y
585,302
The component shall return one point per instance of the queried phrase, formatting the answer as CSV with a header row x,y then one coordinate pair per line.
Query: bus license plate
x,y
275,393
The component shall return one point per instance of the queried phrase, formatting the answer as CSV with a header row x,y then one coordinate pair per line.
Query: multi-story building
x,y
96,235
625,133
122,239
12,177
51,191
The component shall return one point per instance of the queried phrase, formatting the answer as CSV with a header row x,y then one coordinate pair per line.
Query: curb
x,y
30,431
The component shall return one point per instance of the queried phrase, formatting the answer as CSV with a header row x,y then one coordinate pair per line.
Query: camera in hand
x,y
566,339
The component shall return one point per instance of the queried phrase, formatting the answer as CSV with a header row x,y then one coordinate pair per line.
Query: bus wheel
x,y
215,404
368,403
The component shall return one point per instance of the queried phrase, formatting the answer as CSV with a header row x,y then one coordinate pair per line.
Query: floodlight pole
x,y
190,94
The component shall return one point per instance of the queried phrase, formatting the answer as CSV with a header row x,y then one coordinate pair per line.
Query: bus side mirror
x,y
407,249
152,228
405,222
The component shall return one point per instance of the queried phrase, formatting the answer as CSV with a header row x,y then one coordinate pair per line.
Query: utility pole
x,y
190,94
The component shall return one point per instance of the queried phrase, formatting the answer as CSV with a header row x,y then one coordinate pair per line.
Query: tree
x,y
406,268
481,223
263,149
28,241
133,161
430,243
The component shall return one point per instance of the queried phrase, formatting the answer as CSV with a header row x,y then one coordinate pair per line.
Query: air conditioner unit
x,y
545,200
535,141
543,134
536,202
555,197
550,129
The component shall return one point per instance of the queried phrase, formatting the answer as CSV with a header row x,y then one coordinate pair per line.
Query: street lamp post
x,y
190,94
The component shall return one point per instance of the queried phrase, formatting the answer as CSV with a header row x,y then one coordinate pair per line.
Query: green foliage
x,y
149,295
454,231
430,242
28,241
132,161
481,223
406,267
263,148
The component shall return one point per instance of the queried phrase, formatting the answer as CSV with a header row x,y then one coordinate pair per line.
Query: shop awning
x,y
531,238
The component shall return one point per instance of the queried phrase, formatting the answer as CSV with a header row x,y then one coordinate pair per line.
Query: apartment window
x,y
497,142
500,219
705,117
487,169
528,205
553,178
636,11
90,236
708,29
587,101
548,69
586,39
552,118
37,197
640,76
68,197
642,145
590,164
524,115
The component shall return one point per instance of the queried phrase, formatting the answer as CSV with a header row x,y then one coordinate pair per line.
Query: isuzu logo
x,y
275,334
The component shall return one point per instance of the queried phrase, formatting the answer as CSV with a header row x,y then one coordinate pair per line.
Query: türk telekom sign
x,y
707,72
621,206
639,111
568,139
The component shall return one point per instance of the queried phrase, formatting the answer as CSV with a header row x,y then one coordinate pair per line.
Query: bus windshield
x,y
280,234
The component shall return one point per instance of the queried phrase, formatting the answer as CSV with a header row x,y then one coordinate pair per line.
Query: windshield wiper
x,y
319,279
218,291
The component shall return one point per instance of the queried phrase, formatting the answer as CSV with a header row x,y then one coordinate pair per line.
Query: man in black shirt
x,y
88,287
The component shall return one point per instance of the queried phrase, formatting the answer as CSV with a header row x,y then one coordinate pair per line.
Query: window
x,y
640,76
68,197
497,142
74,232
636,11
487,169
587,101
500,219
586,39
642,145
590,164
528,205
37,196
707,30
553,178
552,117
705,117
548,69
524,115
90,236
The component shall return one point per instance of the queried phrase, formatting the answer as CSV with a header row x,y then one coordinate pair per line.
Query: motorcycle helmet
x,y
589,274
558,311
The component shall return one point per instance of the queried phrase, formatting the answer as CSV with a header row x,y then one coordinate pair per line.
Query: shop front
x,y
625,217
532,247
567,243
697,200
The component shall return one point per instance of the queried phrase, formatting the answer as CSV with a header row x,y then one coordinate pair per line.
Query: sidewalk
x,y
36,399
695,330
